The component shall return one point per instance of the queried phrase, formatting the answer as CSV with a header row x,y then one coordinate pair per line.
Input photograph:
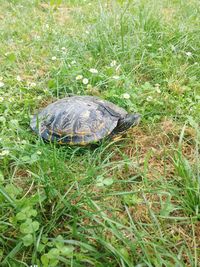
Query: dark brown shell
x,y
77,120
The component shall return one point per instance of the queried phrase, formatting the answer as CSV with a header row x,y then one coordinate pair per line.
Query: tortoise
x,y
81,120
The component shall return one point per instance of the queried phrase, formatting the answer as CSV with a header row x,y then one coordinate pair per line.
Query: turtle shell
x,y
77,120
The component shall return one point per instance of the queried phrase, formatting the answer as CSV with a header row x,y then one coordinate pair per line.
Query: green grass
x,y
130,203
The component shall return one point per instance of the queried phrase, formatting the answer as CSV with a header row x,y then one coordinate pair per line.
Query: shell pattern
x,y
77,120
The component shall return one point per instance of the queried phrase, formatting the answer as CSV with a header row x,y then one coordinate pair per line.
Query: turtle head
x,y
130,120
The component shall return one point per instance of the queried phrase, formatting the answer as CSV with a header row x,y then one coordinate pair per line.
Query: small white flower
x,y
37,37
1,84
18,78
73,62
85,81
126,96
116,77
113,63
79,77
1,99
188,54
89,86
54,58
10,99
195,63
32,84
149,98
173,48
93,71
63,48
5,153
39,152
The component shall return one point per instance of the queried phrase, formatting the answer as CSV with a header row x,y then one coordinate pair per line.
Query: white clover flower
x,y
73,62
5,153
113,63
94,71
1,99
32,84
116,77
79,77
149,98
1,84
10,99
54,58
89,86
188,54
18,78
37,37
126,96
85,81
173,48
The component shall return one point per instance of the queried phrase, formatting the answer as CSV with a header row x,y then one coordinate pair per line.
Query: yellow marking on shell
x,y
71,142
101,126
82,143
72,134
50,131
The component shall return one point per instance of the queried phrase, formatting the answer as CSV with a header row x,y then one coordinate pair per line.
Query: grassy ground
x,y
130,203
